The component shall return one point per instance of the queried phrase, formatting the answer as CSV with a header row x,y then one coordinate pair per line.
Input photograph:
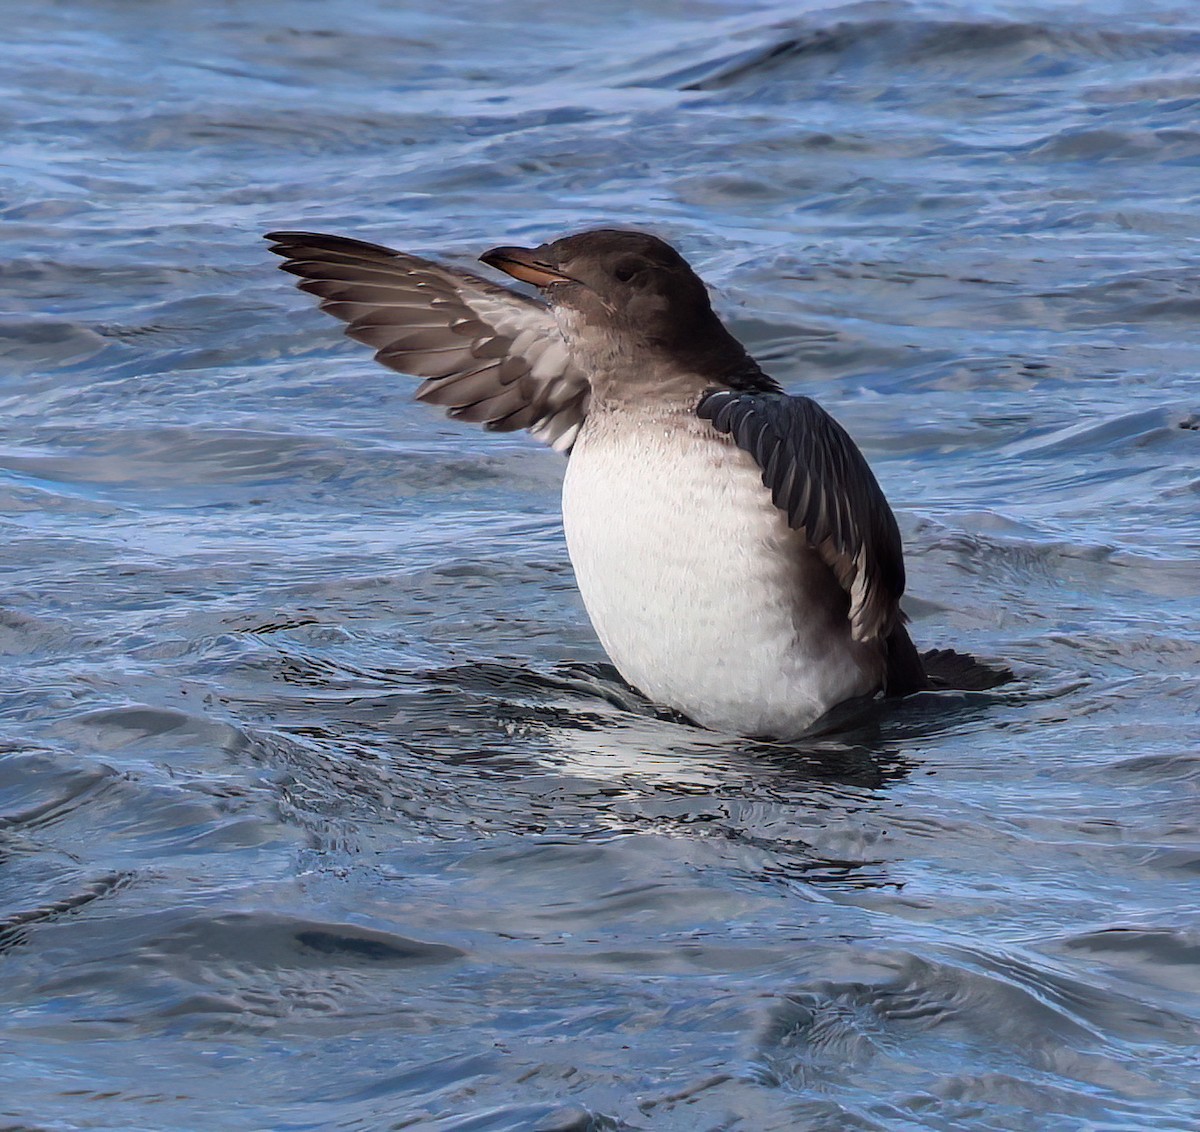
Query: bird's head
x,y
626,284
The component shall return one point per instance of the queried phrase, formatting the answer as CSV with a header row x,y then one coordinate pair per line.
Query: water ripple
x,y
319,805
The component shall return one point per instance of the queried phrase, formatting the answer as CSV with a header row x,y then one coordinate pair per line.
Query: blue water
x,y
314,810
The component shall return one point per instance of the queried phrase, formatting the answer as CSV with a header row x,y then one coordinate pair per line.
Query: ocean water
x,y
317,807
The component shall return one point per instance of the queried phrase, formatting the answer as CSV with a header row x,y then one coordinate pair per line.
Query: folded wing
x,y
487,354
821,481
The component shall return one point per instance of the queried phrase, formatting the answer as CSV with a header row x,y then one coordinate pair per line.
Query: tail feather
x,y
958,671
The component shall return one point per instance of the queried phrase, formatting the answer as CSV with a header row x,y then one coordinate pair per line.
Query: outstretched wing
x,y
821,481
487,353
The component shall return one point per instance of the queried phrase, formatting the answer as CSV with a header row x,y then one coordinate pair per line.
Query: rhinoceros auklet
x,y
735,553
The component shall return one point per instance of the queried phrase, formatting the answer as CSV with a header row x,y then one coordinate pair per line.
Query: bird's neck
x,y
628,368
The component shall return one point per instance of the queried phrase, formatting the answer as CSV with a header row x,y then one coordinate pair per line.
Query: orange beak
x,y
521,264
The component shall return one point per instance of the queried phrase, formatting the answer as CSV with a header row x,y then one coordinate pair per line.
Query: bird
x,y
738,560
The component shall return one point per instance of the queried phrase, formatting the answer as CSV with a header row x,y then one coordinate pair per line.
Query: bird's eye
x,y
627,269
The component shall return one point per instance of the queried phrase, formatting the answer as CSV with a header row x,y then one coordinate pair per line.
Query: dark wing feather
x,y
821,481
487,353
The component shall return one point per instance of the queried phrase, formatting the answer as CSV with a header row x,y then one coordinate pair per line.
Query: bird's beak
x,y
523,264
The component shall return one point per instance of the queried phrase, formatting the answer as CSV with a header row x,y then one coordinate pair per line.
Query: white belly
x,y
699,592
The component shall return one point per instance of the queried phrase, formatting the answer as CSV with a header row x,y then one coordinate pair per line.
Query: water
x,y
315,811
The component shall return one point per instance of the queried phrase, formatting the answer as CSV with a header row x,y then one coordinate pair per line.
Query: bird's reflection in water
x,y
865,743
513,751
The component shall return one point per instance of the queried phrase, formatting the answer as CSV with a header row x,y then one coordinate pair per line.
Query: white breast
x,y
699,592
